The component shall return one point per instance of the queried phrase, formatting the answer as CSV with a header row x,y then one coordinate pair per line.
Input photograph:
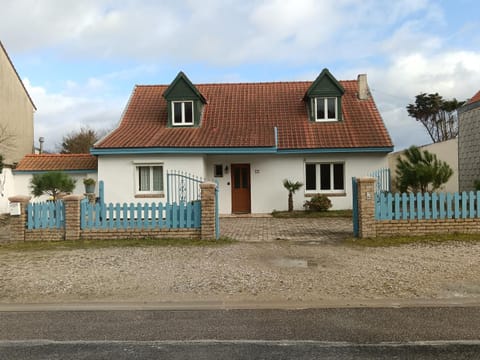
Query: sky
x,y
80,60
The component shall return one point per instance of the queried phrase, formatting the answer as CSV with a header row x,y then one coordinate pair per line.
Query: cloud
x,y
60,114
219,32
453,74
405,46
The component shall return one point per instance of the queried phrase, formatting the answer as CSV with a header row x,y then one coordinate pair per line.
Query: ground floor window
x,y
325,177
149,179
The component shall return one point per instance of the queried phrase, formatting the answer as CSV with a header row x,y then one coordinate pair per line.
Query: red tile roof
x,y
65,162
245,115
475,98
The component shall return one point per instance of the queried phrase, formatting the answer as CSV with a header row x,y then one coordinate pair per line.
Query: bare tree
x,y
7,141
79,142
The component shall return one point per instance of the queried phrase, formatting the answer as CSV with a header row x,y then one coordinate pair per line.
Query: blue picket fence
x,y
427,206
46,215
140,216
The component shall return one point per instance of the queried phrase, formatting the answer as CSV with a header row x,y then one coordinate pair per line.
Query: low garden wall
x,y
72,229
425,214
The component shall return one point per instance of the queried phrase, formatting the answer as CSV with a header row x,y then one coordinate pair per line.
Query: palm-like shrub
x,y
292,187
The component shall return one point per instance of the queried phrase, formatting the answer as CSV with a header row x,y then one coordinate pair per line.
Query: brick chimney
x,y
363,91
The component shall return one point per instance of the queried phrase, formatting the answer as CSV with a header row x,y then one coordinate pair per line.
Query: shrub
x,y
318,203
476,185
89,181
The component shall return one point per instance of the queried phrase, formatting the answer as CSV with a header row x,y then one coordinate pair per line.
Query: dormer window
x,y
185,103
324,99
182,113
326,109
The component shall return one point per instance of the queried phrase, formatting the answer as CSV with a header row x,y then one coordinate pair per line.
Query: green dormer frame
x,y
324,98
184,102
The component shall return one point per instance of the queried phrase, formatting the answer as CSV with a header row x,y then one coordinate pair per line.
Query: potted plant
x,y
89,185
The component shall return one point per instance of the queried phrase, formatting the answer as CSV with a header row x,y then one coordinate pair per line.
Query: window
x,y
218,170
182,112
149,179
324,177
326,109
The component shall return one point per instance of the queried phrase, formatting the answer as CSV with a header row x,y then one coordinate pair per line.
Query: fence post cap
x,y
19,198
73,197
366,179
207,184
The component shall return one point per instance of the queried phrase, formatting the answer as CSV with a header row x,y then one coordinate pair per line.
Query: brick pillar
x,y
18,222
72,216
208,211
366,208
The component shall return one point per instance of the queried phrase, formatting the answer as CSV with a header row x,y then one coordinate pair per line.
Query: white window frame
x,y
318,189
324,100
183,123
150,191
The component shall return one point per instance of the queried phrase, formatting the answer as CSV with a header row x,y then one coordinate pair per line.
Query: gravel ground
x,y
260,272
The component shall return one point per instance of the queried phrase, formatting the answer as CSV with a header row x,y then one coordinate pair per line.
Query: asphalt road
x,y
346,333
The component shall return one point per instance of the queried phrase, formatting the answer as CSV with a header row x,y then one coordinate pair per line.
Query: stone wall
x,y
387,228
106,234
469,147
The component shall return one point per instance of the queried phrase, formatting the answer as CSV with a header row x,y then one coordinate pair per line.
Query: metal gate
x,y
183,187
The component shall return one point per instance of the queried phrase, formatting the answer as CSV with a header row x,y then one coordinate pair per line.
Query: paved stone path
x,y
325,230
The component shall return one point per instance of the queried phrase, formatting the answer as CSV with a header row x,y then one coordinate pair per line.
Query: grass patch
x,y
406,240
312,214
118,243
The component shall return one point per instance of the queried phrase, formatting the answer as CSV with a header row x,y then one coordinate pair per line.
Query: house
x,y
78,166
247,136
16,124
16,112
445,150
468,144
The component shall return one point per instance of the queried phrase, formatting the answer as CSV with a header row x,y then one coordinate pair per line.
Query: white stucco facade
x,y
22,184
267,172
118,173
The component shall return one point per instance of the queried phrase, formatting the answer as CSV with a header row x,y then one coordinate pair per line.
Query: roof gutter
x,y
234,150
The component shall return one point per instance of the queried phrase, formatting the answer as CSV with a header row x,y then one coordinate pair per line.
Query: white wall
x,y
22,185
267,175
269,171
7,189
445,150
118,173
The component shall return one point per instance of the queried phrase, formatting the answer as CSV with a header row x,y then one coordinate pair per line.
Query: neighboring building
x,y
16,112
16,124
249,137
78,166
469,144
446,151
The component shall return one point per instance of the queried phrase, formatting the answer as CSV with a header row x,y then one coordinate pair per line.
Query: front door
x,y
240,188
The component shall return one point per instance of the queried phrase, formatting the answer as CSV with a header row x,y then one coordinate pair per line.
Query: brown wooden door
x,y
240,188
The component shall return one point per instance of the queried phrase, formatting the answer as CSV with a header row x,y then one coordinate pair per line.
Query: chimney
x,y
41,140
363,92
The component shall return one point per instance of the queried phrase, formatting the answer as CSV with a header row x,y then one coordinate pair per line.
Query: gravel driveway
x,y
274,271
